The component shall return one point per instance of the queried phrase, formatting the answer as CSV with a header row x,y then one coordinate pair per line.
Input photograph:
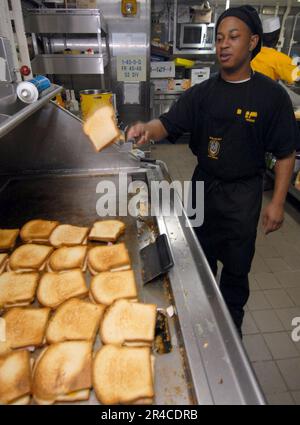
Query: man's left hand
x,y
273,216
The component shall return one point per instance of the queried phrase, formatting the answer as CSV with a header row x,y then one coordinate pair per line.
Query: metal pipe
x,y
293,32
59,44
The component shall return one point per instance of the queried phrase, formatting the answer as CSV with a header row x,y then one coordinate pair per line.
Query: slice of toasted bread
x,y
37,230
68,258
108,287
55,288
15,377
122,375
3,262
29,257
17,288
101,127
128,322
61,370
22,401
108,258
68,235
26,327
8,238
107,230
74,320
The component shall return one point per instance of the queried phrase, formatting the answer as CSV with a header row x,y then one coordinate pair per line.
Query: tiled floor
x,y
275,293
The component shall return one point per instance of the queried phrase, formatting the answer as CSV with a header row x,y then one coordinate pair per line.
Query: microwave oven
x,y
197,36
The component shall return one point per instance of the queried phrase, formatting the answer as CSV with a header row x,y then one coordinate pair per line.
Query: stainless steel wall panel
x,y
69,64
70,21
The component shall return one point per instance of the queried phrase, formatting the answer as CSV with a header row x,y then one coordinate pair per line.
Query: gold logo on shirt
x,y
214,147
250,116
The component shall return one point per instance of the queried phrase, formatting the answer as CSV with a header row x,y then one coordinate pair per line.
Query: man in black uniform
x,y
234,118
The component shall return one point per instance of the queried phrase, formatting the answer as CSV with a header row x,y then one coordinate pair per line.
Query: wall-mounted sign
x,y
162,70
131,69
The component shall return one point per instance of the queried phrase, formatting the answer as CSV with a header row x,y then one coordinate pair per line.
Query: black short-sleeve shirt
x,y
233,125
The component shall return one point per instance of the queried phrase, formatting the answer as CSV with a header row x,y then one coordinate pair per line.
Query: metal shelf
x,y
21,115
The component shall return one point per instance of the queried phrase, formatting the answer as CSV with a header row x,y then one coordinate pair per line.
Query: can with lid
x,y
91,100
29,91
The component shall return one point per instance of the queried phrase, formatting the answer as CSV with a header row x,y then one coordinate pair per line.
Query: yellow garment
x,y
275,65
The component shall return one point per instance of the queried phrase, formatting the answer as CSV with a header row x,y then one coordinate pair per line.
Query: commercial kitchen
x,y
140,56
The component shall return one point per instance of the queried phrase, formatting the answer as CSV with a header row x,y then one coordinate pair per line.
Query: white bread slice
x,y
62,370
122,375
101,127
26,327
37,230
4,348
107,258
29,257
16,288
22,401
8,238
108,287
107,230
75,320
15,376
128,322
68,258
3,262
80,395
55,288
68,235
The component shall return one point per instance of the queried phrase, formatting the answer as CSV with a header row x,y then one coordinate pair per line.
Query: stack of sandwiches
x,y
50,267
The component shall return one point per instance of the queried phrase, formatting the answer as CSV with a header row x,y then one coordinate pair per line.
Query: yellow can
x,y
91,100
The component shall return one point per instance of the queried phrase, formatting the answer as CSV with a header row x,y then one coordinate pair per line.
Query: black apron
x,y
227,163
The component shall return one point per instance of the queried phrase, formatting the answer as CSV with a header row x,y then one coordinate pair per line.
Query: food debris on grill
x,y
162,342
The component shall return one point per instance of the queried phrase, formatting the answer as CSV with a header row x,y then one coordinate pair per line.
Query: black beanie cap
x,y
249,15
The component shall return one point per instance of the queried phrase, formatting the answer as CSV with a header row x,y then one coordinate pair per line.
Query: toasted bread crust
x,y
63,368
29,257
38,230
55,288
15,376
106,258
17,288
100,126
3,262
68,258
122,375
107,287
68,235
107,230
8,238
26,326
74,320
129,322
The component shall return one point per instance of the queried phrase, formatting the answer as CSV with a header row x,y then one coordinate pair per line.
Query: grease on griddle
x,y
162,342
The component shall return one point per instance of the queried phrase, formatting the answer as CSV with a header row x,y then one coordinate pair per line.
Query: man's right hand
x,y
139,132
